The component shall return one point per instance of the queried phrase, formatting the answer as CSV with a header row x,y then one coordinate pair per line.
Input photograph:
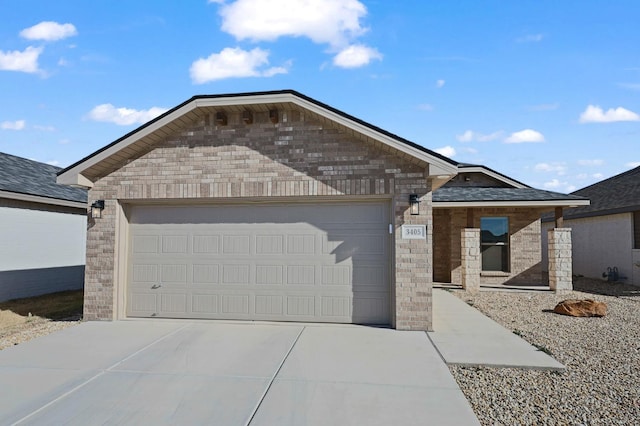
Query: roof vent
x,y
221,118
273,115
247,117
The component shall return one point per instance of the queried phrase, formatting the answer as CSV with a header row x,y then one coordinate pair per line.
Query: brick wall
x,y
298,157
525,244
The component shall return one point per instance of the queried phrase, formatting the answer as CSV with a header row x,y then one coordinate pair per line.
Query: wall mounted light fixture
x,y
414,204
96,209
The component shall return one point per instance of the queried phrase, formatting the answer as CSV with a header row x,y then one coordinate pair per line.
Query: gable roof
x,y
502,197
618,194
478,168
116,153
28,180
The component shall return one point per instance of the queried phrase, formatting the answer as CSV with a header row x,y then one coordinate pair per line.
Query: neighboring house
x,y
42,230
274,206
606,234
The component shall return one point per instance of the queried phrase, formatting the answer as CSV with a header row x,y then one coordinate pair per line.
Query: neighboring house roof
x,y
504,197
28,180
618,194
103,161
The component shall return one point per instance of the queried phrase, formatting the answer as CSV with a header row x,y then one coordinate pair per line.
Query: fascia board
x,y
550,203
493,175
41,200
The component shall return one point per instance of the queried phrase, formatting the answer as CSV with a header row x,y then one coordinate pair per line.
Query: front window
x,y
494,243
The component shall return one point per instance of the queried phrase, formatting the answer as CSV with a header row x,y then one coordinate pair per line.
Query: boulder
x,y
581,308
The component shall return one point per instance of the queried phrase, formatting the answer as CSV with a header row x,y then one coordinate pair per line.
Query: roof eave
x,y
42,200
493,174
540,203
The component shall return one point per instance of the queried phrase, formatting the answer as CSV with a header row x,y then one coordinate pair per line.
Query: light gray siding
x,y
40,251
599,243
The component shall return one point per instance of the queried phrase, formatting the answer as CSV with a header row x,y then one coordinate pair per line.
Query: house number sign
x,y
414,232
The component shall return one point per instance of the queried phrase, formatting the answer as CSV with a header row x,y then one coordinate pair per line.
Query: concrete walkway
x,y
464,336
161,372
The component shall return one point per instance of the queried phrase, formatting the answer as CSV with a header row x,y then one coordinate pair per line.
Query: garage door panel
x,y
276,262
206,244
146,243
205,303
269,274
173,274
205,274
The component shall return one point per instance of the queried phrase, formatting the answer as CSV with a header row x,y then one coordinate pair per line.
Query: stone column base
x,y
560,260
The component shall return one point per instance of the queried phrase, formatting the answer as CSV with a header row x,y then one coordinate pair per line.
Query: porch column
x,y
470,259
560,272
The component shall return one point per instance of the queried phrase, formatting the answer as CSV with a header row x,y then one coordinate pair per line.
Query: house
x,y
274,206
42,230
606,234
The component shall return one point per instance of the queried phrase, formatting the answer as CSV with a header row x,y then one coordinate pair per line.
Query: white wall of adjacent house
x,y
600,243
41,239
40,252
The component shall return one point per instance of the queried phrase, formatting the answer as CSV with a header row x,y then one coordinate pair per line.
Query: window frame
x,y
506,246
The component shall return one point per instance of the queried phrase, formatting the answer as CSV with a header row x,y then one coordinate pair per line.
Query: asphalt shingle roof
x,y
24,176
471,194
618,194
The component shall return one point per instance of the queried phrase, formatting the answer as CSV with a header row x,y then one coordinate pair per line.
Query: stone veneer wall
x,y
525,244
560,273
471,261
298,157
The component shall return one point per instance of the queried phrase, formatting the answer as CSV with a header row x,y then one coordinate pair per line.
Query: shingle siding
x,y
299,157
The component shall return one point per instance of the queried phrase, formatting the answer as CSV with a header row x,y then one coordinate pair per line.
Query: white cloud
x,y
524,136
469,150
557,185
425,107
49,31
590,163
447,151
582,176
233,62
26,61
44,128
53,163
630,86
595,114
597,175
633,164
356,55
470,136
13,125
530,38
333,22
559,168
124,116
440,83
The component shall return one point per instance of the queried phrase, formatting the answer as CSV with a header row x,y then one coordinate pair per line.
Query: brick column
x,y
470,259
560,260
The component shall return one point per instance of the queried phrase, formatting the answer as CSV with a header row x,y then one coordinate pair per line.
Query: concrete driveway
x,y
220,373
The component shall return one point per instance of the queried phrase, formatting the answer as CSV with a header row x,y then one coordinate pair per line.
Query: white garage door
x,y
294,262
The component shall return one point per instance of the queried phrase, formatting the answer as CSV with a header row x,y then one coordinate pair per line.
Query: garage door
x,y
293,262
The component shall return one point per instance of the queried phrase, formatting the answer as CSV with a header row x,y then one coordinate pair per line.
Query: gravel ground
x,y
31,328
602,382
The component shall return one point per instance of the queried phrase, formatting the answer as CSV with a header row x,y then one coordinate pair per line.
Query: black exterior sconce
x,y
414,204
96,209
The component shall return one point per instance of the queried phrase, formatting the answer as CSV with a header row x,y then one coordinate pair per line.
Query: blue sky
x,y
547,92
